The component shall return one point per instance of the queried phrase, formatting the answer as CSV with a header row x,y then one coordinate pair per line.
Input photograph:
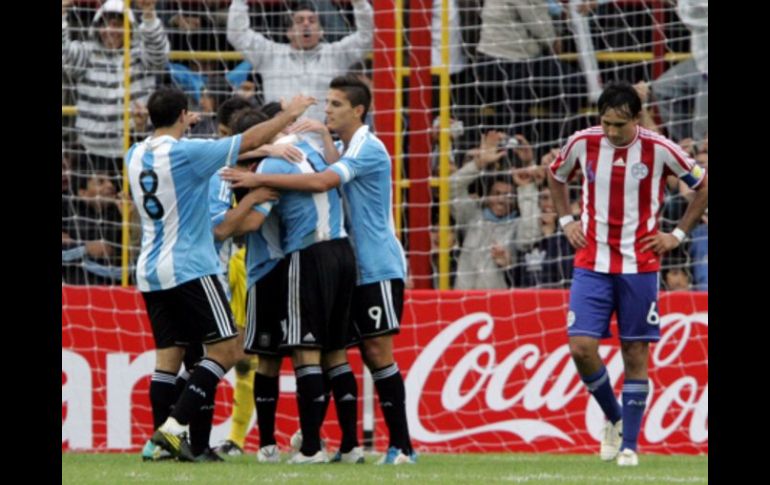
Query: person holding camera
x,y
502,218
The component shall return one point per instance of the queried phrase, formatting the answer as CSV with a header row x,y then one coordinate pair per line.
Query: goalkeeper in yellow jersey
x,y
243,394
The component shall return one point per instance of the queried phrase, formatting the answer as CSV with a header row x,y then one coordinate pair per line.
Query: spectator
x,y
549,263
493,229
675,89
96,67
307,64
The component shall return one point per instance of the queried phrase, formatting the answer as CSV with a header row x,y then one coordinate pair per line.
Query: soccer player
x,y
364,171
176,269
320,276
618,251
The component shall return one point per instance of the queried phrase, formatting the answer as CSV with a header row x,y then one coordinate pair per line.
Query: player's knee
x,y
377,354
581,352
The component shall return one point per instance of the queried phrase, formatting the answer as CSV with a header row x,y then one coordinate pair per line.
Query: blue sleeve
x,y
219,199
272,166
367,161
206,156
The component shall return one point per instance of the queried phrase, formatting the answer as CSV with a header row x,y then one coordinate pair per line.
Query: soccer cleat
x,y
269,454
355,455
300,459
394,456
628,457
208,455
229,448
175,444
150,452
612,437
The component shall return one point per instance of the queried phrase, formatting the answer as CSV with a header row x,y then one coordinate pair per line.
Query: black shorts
x,y
377,309
321,279
194,312
266,312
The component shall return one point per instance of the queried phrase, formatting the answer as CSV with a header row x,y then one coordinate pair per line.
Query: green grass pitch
x,y
480,468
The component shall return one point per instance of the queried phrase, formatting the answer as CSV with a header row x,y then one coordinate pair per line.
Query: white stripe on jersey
x,y
602,206
148,230
630,210
323,229
162,167
658,168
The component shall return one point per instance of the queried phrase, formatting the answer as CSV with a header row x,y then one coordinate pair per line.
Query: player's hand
x,y
308,125
286,151
240,178
262,194
500,255
192,118
299,104
65,5
660,243
574,233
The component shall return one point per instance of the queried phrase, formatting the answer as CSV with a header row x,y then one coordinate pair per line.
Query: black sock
x,y
310,401
162,396
266,402
327,396
201,424
180,384
200,390
345,388
390,388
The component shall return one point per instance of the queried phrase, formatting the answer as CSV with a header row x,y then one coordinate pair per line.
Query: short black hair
x,y
230,106
298,5
361,68
620,96
356,91
246,118
271,109
165,105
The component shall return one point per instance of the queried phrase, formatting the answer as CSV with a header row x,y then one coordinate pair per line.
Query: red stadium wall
x,y
485,371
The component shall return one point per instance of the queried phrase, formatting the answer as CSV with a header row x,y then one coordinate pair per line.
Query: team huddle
x,y
320,278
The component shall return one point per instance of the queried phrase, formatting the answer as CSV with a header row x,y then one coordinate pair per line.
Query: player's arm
x,y
305,182
264,132
560,195
234,222
663,241
688,171
306,125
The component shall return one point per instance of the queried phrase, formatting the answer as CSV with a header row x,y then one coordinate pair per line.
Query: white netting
x,y
527,71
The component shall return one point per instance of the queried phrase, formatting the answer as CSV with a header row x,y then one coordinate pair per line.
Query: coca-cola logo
x,y
550,387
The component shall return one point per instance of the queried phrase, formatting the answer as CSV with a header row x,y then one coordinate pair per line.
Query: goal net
x,y
471,98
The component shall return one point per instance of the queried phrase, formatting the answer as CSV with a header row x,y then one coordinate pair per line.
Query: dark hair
x,y
246,118
302,5
165,105
622,97
226,109
361,68
271,109
356,91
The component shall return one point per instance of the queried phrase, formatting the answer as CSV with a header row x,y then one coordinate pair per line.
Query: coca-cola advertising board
x,y
484,371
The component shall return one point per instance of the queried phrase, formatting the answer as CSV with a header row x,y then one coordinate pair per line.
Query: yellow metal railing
x,y
126,207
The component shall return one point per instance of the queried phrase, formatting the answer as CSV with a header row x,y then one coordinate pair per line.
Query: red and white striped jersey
x,y
622,194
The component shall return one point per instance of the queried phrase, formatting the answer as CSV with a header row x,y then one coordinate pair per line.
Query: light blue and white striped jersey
x,y
220,201
306,218
263,249
365,171
169,181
